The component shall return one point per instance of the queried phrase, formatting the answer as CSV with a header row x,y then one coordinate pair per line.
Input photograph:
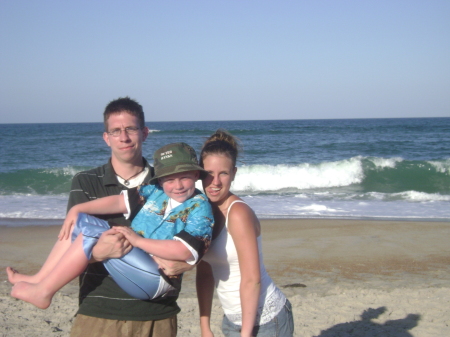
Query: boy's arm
x,y
197,233
173,267
166,249
106,205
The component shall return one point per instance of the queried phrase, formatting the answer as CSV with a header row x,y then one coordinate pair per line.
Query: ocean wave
x,y
298,177
44,181
354,175
365,174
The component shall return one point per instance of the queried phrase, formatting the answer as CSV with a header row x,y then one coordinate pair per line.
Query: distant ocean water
x,y
346,168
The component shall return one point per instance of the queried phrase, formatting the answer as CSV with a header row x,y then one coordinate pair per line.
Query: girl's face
x,y
221,172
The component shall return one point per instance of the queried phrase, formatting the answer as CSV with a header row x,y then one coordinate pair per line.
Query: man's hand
x,y
111,245
172,268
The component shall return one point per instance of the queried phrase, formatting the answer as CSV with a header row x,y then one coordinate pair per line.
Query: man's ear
x,y
106,138
145,132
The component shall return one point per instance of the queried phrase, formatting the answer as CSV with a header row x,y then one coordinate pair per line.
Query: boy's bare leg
x,y
70,265
58,250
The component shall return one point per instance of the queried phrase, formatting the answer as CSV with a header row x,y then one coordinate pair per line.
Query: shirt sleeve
x,y
127,203
134,201
77,193
196,235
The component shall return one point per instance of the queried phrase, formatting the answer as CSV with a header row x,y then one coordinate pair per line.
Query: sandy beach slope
x,y
343,277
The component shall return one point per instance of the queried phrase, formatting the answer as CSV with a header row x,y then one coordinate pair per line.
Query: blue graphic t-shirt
x,y
191,222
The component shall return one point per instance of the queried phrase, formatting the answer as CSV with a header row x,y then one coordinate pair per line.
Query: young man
x,y
105,309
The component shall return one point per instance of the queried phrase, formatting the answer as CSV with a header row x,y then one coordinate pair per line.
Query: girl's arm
x,y
243,226
205,292
166,249
107,205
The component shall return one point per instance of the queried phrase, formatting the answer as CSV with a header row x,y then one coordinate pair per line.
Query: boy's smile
x,y
179,186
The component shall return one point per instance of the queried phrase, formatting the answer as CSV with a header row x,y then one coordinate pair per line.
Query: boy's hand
x,y
129,234
172,268
69,222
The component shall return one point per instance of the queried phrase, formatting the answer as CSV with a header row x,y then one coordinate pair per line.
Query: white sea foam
x,y
409,205
64,171
33,206
441,166
381,163
288,207
303,176
420,196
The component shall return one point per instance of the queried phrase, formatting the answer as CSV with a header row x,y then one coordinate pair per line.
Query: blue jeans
x,y
281,326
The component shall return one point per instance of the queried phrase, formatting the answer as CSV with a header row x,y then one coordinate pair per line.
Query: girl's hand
x,y
207,333
129,234
69,222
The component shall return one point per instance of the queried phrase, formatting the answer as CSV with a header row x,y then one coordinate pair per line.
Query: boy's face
x,y
179,186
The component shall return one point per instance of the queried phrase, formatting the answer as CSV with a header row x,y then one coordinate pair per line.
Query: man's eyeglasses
x,y
131,130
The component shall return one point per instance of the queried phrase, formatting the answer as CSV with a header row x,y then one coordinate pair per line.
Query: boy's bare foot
x,y
13,275
31,293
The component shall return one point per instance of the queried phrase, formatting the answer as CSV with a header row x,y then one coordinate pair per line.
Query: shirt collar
x,y
110,175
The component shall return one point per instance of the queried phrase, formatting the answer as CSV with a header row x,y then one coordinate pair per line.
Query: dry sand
x,y
343,278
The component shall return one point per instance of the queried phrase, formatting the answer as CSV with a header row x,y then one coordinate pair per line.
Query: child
x,y
175,223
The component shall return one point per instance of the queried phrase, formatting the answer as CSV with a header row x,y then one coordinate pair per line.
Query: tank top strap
x,y
228,211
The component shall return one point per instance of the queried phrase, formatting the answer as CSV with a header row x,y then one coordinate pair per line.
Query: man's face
x,y
126,148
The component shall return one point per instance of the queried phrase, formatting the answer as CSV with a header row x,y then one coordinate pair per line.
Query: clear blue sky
x,y
63,61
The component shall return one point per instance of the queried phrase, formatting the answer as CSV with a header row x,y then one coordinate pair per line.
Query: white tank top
x,y
223,258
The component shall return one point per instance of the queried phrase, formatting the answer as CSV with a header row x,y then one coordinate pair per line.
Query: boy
x,y
175,222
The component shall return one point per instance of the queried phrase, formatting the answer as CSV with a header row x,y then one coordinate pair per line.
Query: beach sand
x,y
343,278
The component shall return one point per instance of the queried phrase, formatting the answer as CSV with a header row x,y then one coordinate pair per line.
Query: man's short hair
x,y
124,104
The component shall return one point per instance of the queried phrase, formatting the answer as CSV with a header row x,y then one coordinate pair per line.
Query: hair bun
x,y
221,142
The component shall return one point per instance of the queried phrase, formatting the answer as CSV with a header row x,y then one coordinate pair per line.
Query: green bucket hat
x,y
175,158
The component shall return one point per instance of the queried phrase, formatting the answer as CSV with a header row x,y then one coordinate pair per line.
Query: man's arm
x,y
107,205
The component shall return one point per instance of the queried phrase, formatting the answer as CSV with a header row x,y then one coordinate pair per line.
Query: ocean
x,y
336,168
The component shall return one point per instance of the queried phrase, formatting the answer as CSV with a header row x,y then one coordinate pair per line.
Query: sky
x,y
63,61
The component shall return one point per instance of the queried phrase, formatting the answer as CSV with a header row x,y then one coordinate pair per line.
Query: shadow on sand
x,y
366,328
